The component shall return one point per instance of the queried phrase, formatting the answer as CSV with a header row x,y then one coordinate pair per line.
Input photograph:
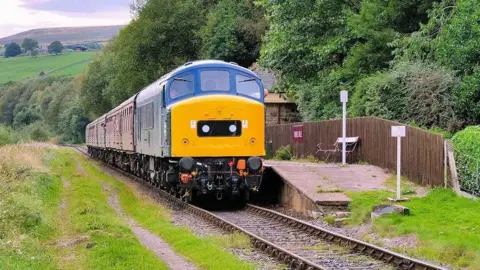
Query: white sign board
x,y
398,131
343,96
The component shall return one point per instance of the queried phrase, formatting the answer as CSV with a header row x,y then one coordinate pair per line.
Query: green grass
x,y
90,215
233,240
205,253
321,189
447,226
329,219
362,203
407,187
23,67
29,202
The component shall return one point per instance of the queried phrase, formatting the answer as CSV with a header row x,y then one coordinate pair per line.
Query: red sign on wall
x,y
297,133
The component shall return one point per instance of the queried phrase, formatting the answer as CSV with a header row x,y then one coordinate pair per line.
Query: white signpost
x,y
399,132
344,99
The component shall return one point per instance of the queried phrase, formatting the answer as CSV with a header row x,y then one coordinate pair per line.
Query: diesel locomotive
x,y
198,131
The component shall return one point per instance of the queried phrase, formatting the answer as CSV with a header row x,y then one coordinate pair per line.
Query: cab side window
x,y
182,85
247,86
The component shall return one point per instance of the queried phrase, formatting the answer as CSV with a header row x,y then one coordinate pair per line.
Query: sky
x,y
21,15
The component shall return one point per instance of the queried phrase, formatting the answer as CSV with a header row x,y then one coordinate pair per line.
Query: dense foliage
x,y
467,156
41,108
55,47
12,50
160,38
411,61
29,45
233,32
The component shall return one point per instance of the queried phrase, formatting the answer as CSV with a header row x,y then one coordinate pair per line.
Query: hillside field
x,y
23,67
67,35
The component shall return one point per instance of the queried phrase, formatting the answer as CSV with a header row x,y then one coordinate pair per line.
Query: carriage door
x,y
138,124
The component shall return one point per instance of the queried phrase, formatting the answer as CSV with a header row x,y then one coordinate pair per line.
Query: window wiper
x,y
182,80
248,80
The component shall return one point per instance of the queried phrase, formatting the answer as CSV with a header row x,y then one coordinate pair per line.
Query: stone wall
x,y
288,113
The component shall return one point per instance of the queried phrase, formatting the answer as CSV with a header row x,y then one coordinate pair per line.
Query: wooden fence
x,y
422,152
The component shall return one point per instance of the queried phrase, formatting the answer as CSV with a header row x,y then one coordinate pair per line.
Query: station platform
x,y
311,187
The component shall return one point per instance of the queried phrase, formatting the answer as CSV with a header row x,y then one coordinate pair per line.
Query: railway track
x,y
296,243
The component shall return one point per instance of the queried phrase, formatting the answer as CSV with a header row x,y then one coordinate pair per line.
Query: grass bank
x,y
447,226
205,253
53,216
107,241
29,202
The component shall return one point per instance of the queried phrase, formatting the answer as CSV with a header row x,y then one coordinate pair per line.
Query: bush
x,y
467,155
39,134
7,136
284,153
412,92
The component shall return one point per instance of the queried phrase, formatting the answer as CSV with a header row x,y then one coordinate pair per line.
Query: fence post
x,y
445,164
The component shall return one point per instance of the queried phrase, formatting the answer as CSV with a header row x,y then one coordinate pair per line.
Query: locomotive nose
x,y
218,126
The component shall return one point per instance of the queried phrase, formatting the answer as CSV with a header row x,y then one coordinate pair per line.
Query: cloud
x,y
15,17
76,6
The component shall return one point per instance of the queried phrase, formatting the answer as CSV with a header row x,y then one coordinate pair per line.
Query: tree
x,y
321,47
159,40
233,32
34,53
12,50
55,47
29,45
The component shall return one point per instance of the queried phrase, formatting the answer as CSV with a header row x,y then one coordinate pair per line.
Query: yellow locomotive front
x,y
217,129
218,126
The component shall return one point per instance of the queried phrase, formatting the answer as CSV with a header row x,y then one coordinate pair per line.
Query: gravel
x,y
328,255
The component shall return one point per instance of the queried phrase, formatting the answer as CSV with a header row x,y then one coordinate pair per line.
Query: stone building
x,y
279,108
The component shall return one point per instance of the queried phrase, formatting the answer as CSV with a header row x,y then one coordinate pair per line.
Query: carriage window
x,y
248,86
215,80
181,86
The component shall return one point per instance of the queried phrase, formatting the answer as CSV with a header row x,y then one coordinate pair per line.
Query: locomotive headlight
x,y
205,128
254,164
253,140
232,128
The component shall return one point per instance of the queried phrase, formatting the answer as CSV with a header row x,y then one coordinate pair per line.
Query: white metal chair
x,y
350,142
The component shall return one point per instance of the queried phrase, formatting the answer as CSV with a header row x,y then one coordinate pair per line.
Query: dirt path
x,y
148,239
69,240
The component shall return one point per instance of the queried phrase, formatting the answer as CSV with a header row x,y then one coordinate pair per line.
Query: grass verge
x,y
111,242
205,253
29,199
447,226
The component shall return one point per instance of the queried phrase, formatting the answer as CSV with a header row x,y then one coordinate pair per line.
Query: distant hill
x,y
66,35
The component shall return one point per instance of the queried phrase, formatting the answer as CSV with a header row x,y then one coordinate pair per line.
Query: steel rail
x,y
379,253
284,256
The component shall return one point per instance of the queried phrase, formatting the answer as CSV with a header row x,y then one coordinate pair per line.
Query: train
x,y
196,132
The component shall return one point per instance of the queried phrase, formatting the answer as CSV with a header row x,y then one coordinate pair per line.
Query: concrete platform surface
x,y
325,183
